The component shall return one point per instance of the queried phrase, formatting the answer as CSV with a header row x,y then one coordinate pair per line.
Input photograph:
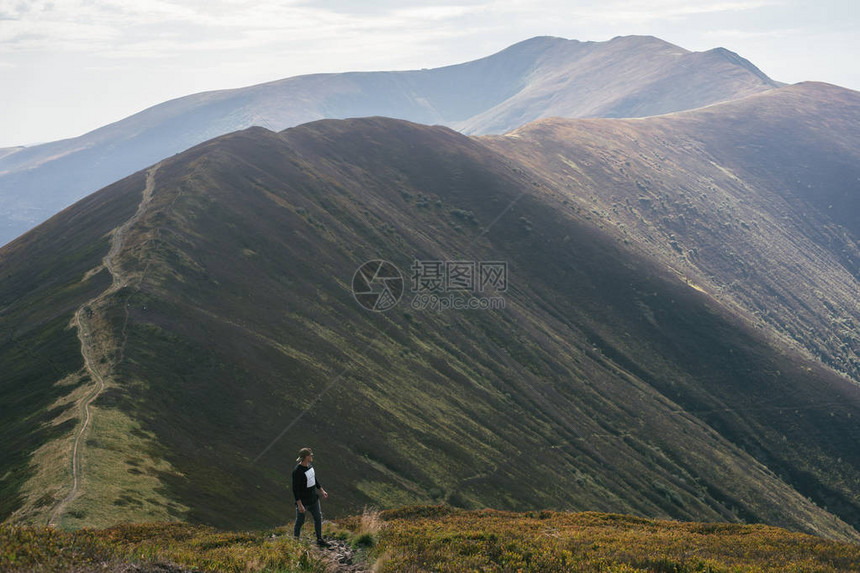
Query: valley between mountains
x,y
678,339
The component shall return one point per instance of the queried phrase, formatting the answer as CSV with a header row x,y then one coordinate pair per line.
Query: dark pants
x,y
313,509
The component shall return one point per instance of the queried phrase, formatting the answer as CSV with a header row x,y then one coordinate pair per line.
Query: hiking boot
x,y
323,543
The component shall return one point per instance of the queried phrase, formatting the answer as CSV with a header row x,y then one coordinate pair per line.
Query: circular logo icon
x,y
377,285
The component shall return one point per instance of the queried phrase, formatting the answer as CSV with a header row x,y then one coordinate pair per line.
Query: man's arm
x,y
322,491
297,477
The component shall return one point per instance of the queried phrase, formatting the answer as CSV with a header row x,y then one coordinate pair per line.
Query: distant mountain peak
x,y
543,40
643,40
735,58
543,76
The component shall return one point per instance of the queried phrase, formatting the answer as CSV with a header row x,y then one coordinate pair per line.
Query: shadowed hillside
x,y
540,77
755,201
607,381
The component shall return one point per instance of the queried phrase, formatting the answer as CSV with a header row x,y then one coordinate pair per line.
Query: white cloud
x,y
724,34
26,34
118,28
441,12
625,11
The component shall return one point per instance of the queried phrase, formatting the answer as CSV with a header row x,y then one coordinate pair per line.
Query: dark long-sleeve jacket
x,y
305,484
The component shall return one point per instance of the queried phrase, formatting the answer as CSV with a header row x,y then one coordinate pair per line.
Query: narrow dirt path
x,y
343,558
89,344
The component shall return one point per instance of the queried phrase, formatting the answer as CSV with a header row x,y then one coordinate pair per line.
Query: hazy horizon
x,y
70,66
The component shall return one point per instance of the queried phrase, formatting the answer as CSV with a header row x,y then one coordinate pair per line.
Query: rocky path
x,y
343,558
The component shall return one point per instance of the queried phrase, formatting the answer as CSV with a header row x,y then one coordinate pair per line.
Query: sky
x,y
70,66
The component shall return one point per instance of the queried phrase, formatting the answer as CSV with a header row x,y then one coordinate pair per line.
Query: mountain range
x,y
629,76
677,336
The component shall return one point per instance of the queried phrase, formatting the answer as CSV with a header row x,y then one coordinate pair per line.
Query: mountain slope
x,y
756,201
533,79
630,76
606,382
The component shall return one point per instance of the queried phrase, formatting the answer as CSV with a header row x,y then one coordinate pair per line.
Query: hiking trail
x,y
343,557
90,347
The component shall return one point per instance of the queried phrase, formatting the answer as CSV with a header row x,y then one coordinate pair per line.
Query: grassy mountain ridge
x,y
725,195
780,255
40,290
607,382
540,77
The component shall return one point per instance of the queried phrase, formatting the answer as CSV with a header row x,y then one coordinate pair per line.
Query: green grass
x,y
440,539
447,540
41,286
33,549
121,476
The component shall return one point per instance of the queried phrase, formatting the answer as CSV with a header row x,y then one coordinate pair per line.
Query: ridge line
x,y
80,321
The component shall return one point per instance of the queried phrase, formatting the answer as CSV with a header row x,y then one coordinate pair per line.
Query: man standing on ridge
x,y
305,486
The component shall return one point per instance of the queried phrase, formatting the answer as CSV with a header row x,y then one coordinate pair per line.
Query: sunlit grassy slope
x,y
441,539
161,547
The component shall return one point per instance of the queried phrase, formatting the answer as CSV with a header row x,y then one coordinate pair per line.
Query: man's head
x,y
304,454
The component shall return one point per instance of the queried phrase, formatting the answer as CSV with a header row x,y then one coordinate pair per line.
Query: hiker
x,y
305,486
